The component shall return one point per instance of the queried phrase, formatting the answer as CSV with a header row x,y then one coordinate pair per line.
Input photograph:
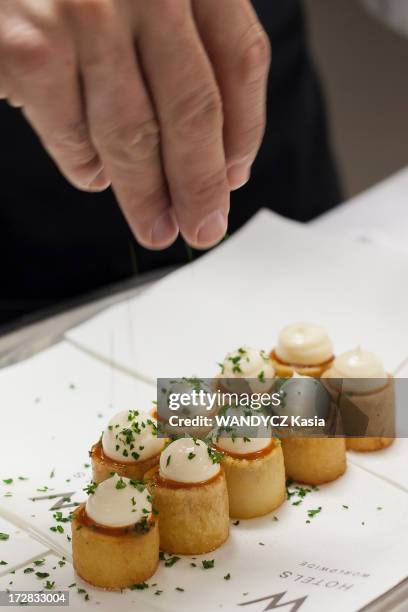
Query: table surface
x,y
379,215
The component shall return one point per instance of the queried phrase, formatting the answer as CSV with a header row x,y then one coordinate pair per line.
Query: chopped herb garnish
x,y
121,484
313,513
208,564
91,488
143,526
303,491
215,456
42,575
139,587
171,561
227,577
59,517
137,484
49,585
4,536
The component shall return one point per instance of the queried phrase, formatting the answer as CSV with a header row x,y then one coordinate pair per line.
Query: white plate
x,y
271,273
343,559
242,292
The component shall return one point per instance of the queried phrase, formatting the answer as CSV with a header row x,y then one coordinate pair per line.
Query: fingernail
x,y
238,175
100,182
164,230
212,229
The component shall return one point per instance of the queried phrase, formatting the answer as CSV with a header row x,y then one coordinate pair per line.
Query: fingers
x,y
122,121
81,88
41,76
3,88
240,55
189,108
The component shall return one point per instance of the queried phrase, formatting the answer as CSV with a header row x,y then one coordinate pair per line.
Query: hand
x,y
163,99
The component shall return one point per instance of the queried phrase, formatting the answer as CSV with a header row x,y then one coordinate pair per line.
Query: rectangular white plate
x,y
343,559
242,293
271,273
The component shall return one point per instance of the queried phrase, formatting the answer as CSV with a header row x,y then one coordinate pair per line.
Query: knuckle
x,y
198,114
130,142
206,188
27,50
254,56
74,142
